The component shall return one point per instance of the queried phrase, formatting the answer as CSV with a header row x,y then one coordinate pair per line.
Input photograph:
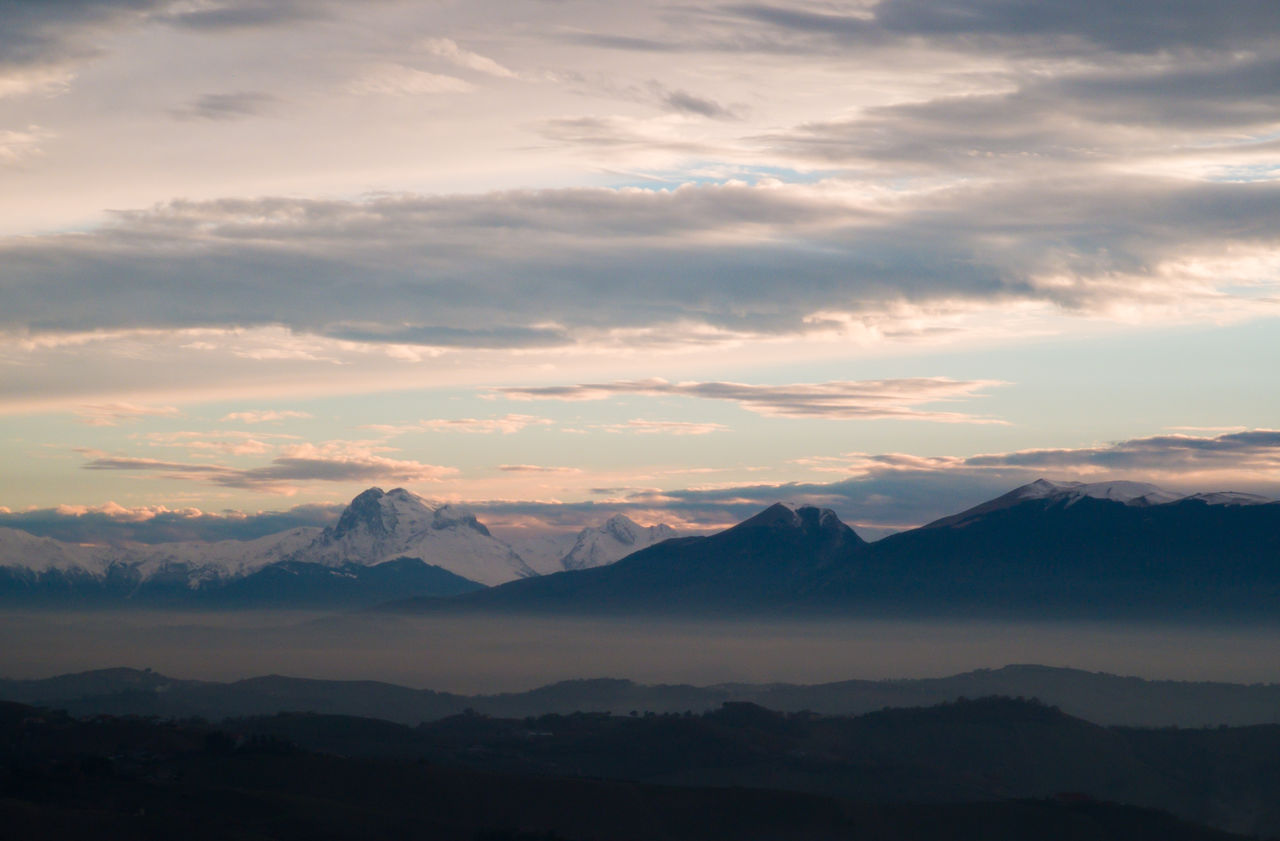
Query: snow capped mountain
x,y
1130,493
1136,494
375,528
617,538
544,553
378,527
1228,498
41,554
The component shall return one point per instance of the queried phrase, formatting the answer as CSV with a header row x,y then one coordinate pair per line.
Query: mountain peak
x,y
808,520
365,510
613,540
1135,494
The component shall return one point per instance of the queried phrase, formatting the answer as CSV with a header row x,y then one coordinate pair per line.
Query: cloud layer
x,y
842,400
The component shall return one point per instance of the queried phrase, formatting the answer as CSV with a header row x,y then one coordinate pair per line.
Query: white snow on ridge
x,y
618,537
1229,498
40,554
1129,493
380,527
376,527
544,553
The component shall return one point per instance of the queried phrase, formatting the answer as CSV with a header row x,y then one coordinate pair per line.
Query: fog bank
x,y
504,653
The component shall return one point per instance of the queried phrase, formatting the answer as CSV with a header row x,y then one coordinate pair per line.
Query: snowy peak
x,y
365,512
618,537
378,527
1135,494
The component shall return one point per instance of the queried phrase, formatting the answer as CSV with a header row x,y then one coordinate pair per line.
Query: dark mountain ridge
x,y
1094,696
780,551
1120,551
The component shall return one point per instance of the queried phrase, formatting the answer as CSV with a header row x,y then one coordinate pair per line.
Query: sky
x,y
556,259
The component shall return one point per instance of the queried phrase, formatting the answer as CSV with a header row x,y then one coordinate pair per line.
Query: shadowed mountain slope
x,y
1119,550
776,555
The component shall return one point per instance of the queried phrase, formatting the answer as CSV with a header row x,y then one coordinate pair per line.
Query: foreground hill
x,y
123,779
1102,698
971,750
1106,551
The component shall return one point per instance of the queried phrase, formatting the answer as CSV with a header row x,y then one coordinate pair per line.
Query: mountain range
x,y
385,545
1096,696
1102,551
1067,550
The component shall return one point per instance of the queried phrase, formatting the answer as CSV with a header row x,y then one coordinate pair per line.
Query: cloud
x,y
880,493
227,106
686,103
902,490
231,442
265,415
507,425
664,427
838,400
1054,25
391,79
303,463
112,523
232,15
1254,451
449,51
113,414
577,264
43,43
17,146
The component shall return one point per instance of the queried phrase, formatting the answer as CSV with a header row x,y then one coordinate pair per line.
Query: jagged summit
x,y
616,538
803,518
379,526
366,511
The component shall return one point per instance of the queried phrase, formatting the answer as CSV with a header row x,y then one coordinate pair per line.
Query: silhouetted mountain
x,y
1076,555
764,561
1101,698
1107,550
